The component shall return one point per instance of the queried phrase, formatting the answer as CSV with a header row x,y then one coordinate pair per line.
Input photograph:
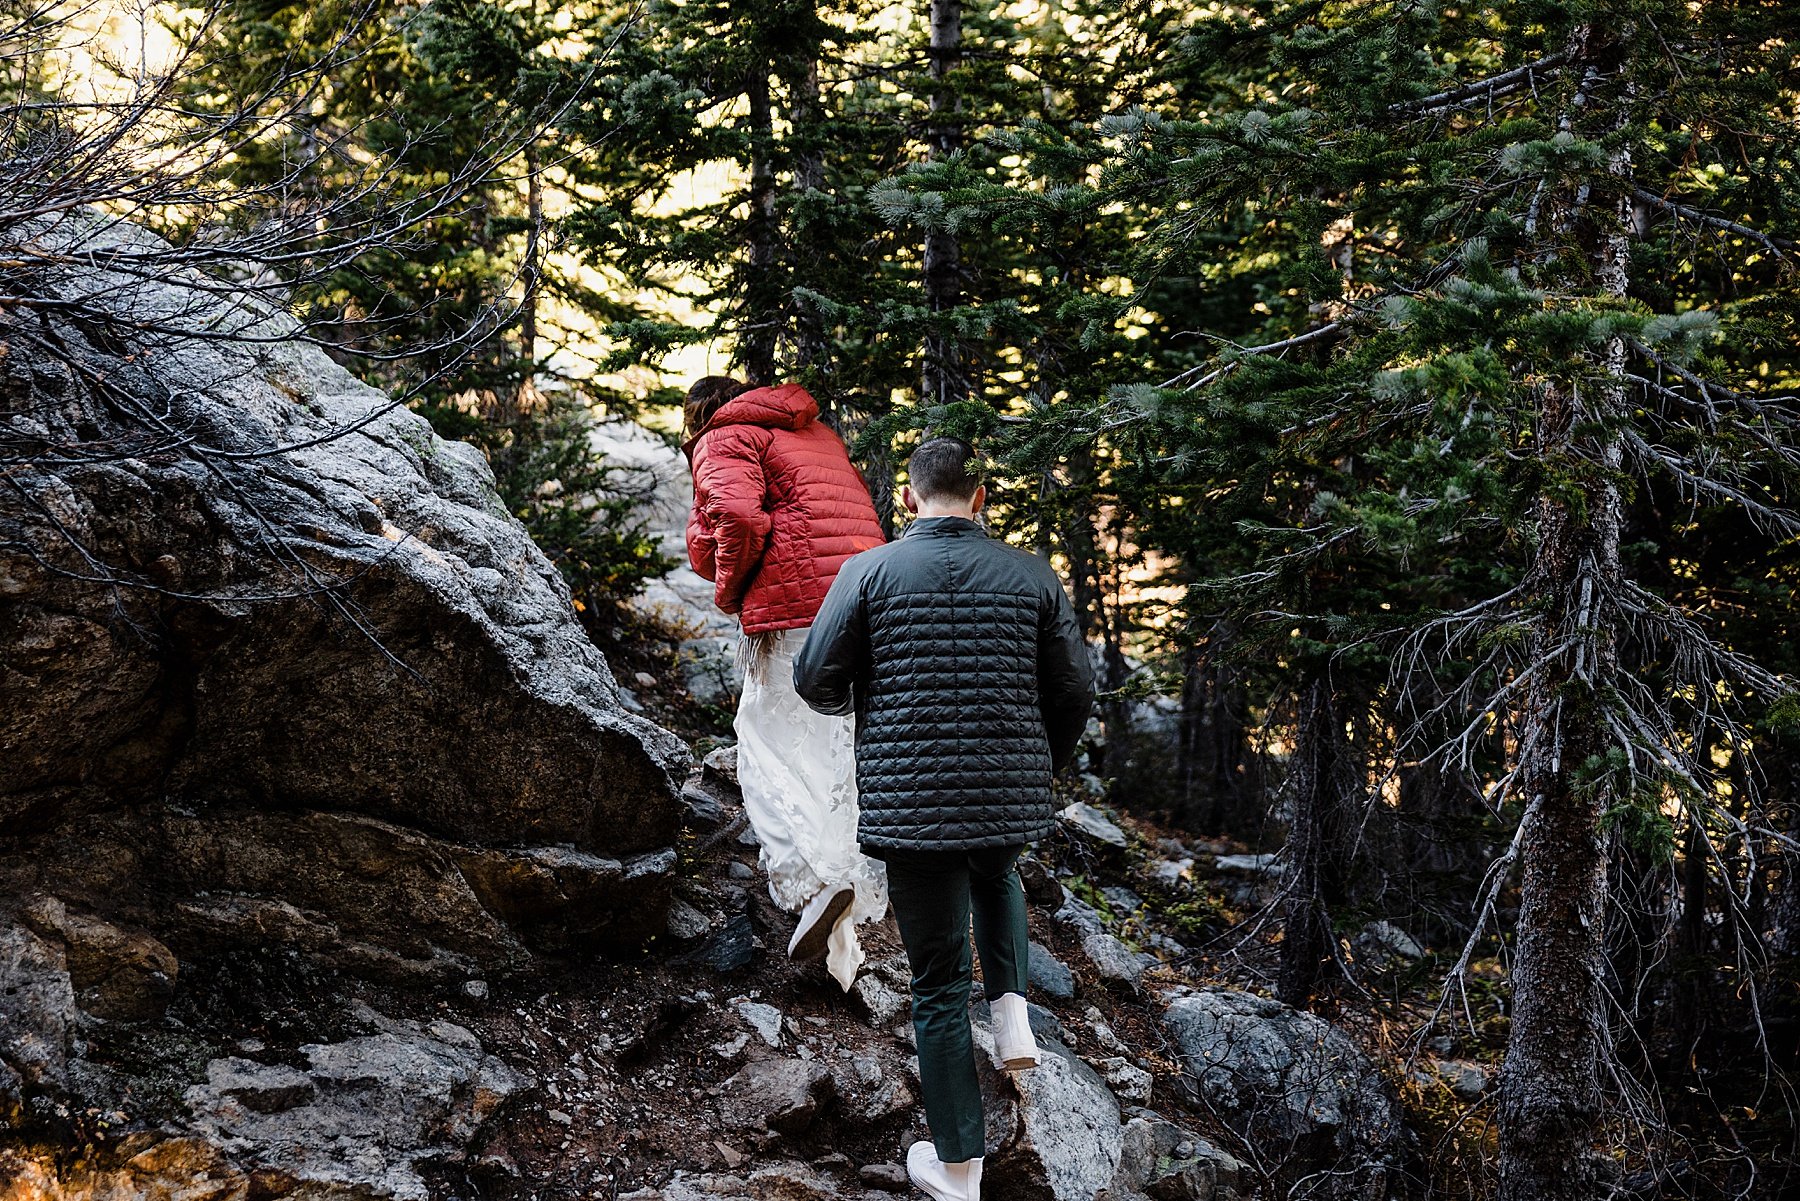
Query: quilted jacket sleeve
x,y
729,528
1065,675
832,663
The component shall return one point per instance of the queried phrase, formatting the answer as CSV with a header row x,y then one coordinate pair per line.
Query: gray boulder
x,y
1291,1084
1054,1132
359,1122
363,1117
1164,1162
340,701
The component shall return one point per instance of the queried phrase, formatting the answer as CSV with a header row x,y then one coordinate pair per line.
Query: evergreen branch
x,y
1491,88
1311,335
1775,244
1781,521
1760,405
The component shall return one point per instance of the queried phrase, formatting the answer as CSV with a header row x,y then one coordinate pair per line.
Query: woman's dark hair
x,y
706,397
944,469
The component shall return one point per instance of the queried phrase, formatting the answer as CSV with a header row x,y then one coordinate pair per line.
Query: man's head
x,y
944,480
707,396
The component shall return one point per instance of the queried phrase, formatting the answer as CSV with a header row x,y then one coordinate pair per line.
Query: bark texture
x,y
942,378
1550,1100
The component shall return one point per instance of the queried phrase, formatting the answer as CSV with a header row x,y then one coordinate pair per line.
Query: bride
x,y
778,508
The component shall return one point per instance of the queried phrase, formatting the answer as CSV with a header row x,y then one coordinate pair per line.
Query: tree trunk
x,y
942,378
1319,783
1550,1080
806,115
1213,751
761,322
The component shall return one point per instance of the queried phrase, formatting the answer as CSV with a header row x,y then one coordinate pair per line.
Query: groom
x,y
965,666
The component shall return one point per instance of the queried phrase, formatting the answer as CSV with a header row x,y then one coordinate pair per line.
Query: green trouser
x,y
933,893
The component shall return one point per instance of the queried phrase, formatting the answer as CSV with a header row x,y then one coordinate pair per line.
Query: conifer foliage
x,y
1538,325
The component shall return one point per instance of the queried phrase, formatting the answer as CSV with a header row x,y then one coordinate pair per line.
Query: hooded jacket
x,y
964,663
778,508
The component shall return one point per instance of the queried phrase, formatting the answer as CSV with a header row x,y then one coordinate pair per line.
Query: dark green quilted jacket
x,y
964,664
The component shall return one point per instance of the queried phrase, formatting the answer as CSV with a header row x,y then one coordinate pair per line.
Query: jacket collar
x,y
956,527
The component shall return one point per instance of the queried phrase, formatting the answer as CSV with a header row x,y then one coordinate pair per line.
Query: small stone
x,y
739,870
1048,974
559,1117
645,679
782,1095
702,809
764,1019
1103,1033
1041,888
1248,865
1127,1081
1385,938
881,1003
731,948
721,767
1096,825
1124,902
1114,960
1171,872
687,923
1082,916
1467,1081
476,990
888,1177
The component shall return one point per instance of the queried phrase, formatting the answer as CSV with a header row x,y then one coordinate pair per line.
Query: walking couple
x,y
962,664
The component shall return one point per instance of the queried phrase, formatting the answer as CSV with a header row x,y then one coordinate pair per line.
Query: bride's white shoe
x,y
943,1181
1014,1042
816,920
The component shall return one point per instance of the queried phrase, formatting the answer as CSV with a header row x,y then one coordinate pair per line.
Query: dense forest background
x,y
1406,390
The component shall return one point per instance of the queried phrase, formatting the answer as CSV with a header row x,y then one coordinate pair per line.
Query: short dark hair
x,y
707,397
944,469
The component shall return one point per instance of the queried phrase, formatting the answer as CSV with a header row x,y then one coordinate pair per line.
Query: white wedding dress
x,y
797,769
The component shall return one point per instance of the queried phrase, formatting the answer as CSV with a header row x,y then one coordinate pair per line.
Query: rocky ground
x,y
711,1066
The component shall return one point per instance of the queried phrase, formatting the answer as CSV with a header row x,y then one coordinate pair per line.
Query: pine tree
x,y
1497,386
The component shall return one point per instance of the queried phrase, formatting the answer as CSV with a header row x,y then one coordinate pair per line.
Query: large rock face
x,y
276,664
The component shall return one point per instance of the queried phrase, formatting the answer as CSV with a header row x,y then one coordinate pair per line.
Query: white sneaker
x,y
1014,1042
939,1180
816,920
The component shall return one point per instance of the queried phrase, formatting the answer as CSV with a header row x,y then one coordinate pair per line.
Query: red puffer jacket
x,y
778,508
